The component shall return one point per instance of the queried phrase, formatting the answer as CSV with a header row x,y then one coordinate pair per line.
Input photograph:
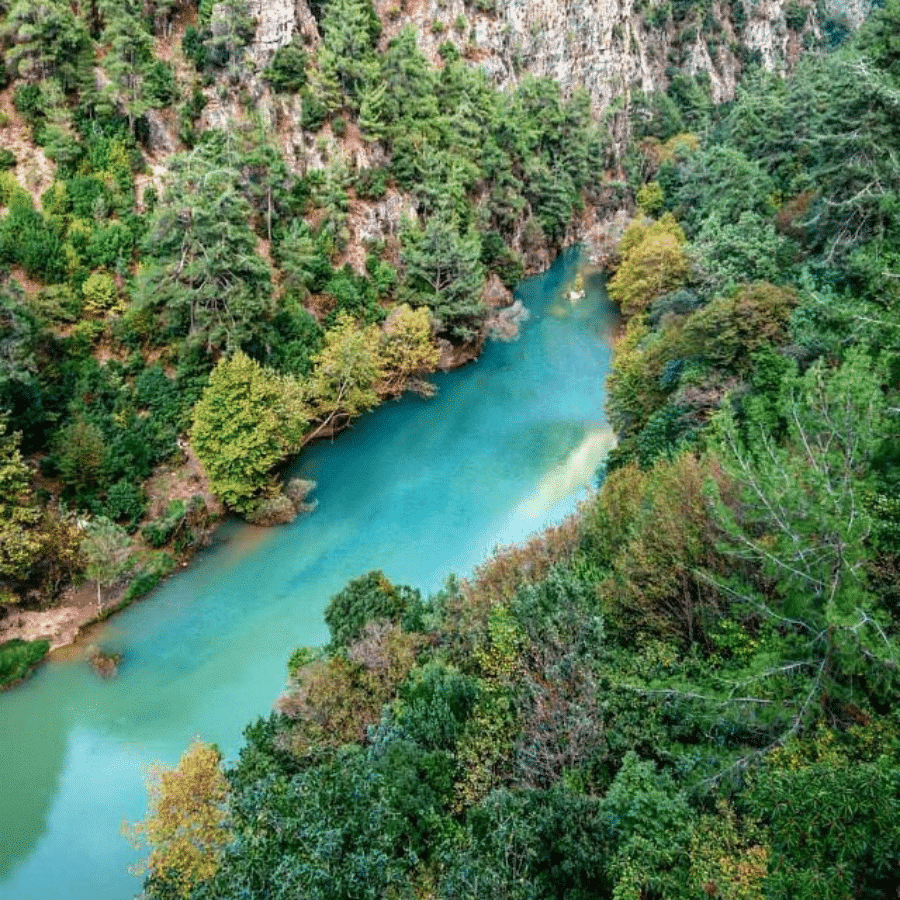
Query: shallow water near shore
x,y
419,488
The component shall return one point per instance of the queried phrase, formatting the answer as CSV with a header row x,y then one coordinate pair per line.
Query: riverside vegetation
x,y
688,689
216,300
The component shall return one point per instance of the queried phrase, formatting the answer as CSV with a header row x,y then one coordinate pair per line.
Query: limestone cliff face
x,y
608,47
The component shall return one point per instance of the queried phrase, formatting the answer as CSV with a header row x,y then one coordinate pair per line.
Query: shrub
x,y
369,598
194,48
150,575
99,293
9,187
371,183
28,100
125,502
287,71
160,85
650,198
56,303
110,245
18,658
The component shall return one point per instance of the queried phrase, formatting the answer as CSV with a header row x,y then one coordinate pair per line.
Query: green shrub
x,y
99,293
287,71
194,48
160,86
125,502
84,335
84,191
18,658
28,101
795,15
7,158
371,183
9,187
56,304
369,598
151,574
27,238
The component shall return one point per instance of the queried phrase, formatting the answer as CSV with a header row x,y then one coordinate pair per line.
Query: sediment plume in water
x,y
578,470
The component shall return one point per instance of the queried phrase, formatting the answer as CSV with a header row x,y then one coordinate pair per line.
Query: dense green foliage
x,y
688,690
18,658
691,687
154,257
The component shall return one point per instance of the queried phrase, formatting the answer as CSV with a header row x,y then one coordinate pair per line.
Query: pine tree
x,y
444,272
127,61
204,276
47,41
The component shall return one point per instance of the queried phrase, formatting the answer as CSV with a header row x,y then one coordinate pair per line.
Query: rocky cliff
x,y
608,47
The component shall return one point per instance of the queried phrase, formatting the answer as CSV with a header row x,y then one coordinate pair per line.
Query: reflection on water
x,y
419,489
577,471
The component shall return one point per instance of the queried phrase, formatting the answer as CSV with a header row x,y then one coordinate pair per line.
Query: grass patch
x,y
18,658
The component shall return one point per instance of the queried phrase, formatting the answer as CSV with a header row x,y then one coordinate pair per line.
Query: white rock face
x,y
276,23
600,45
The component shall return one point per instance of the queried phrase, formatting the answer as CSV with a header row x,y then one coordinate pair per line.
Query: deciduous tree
x,y
107,551
345,374
248,420
186,825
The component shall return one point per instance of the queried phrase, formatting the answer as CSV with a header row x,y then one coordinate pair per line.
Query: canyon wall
x,y
608,47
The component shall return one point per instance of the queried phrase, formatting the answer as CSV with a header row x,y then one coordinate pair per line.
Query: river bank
x,y
69,621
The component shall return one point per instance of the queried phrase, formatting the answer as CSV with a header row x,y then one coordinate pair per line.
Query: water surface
x,y
419,488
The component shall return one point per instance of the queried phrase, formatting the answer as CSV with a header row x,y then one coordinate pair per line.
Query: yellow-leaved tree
x,y
407,351
654,262
185,828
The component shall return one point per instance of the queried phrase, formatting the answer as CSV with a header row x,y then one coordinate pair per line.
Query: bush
x,y
18,658
287,71
369,598
110,245
28,101
125,502
795,15
152,573
194,48
371,183
7,158
100,294
9,187
160,85
27,238
84,191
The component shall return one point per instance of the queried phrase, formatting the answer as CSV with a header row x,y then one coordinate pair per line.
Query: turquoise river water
x,y
419,488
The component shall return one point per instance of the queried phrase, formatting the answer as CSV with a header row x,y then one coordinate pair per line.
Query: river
x,y
419,488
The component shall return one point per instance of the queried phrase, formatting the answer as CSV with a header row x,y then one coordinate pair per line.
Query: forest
x,y
688,689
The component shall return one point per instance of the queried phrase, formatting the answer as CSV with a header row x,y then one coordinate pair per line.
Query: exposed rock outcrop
x,y
608,47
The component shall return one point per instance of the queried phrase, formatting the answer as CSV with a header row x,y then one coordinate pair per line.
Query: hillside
x,y
229,230
690,688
